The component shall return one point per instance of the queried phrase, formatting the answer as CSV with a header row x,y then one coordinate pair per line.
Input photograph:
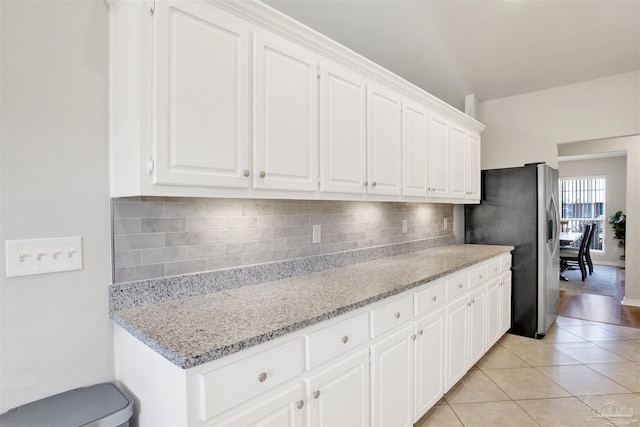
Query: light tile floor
x,y
555,381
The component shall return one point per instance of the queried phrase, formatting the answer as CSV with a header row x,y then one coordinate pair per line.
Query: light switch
x,y
404,226
39,256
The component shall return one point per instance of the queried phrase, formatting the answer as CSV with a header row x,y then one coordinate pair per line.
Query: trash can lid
x,y
100,405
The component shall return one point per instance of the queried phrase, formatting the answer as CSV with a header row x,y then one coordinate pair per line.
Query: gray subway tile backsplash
x,y
160,237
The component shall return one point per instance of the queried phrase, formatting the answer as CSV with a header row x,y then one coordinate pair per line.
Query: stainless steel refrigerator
x,y
519,207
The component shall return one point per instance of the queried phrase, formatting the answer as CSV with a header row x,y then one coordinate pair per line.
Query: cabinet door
x,y
494,310
477,325
283,407
285,96
429,363
391,380
456,341
457,148
473,166
415,150
438,157
343,138
340,394
505,303
202,97
384,145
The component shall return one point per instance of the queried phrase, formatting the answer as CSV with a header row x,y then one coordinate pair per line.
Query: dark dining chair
x,y
587,250
571,257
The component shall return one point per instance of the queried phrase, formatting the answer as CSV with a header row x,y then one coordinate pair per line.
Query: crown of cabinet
x,y
234,99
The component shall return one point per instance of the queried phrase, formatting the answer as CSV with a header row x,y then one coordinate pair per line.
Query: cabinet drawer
x,y
505,263
429,298
457,286
494,268
337,339
478,275
223,388
390,315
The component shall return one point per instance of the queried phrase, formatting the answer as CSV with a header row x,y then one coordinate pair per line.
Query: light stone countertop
x,y
196,330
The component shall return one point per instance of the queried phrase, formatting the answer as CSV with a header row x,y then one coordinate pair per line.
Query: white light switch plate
x,y
317,234
38,256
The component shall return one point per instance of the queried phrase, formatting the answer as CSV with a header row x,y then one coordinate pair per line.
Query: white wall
x,y
528,128
614,169
55,333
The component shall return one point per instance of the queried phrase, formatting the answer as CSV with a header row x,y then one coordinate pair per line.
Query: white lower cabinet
x,y
456,313
339,395
284,407
505,302
392,379
477,325
428,384
493,311
384,365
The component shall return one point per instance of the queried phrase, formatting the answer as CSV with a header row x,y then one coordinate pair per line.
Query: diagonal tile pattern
x,y
558,381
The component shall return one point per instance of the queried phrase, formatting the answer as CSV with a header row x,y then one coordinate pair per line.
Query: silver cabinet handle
x,y
469,304
316,394
460,286
473,301
246,172
366,183
263,174
397,315
433,298
345,339
262,377
373,183
413,337
300,404
420,332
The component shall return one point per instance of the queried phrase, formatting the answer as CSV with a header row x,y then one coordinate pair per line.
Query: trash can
x,y
100,405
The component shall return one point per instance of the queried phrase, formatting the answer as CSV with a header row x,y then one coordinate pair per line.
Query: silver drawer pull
x,y
316,394
397,315
262,174
374,183
345,339
262,377
300,404
246,172
433,298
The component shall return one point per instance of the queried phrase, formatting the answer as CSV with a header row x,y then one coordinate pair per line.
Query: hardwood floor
x,y
600,308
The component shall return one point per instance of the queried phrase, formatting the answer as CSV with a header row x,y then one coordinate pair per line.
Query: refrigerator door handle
x,y
554,224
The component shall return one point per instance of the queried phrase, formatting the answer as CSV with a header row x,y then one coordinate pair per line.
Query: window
x,y
583,203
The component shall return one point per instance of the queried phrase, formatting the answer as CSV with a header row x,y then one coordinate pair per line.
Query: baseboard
x,y
631,301
610,263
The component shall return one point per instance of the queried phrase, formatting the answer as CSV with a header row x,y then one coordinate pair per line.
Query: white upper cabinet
x,y
415,150
285,101
384,124
343,137
438,157
473,167
458,146
202,104
233,99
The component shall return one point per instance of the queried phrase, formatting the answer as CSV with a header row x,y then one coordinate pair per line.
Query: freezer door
x,y
548,248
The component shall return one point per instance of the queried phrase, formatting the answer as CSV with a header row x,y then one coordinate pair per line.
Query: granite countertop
x,y
196,330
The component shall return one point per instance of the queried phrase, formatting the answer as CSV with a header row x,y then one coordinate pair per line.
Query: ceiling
x,y
490,48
